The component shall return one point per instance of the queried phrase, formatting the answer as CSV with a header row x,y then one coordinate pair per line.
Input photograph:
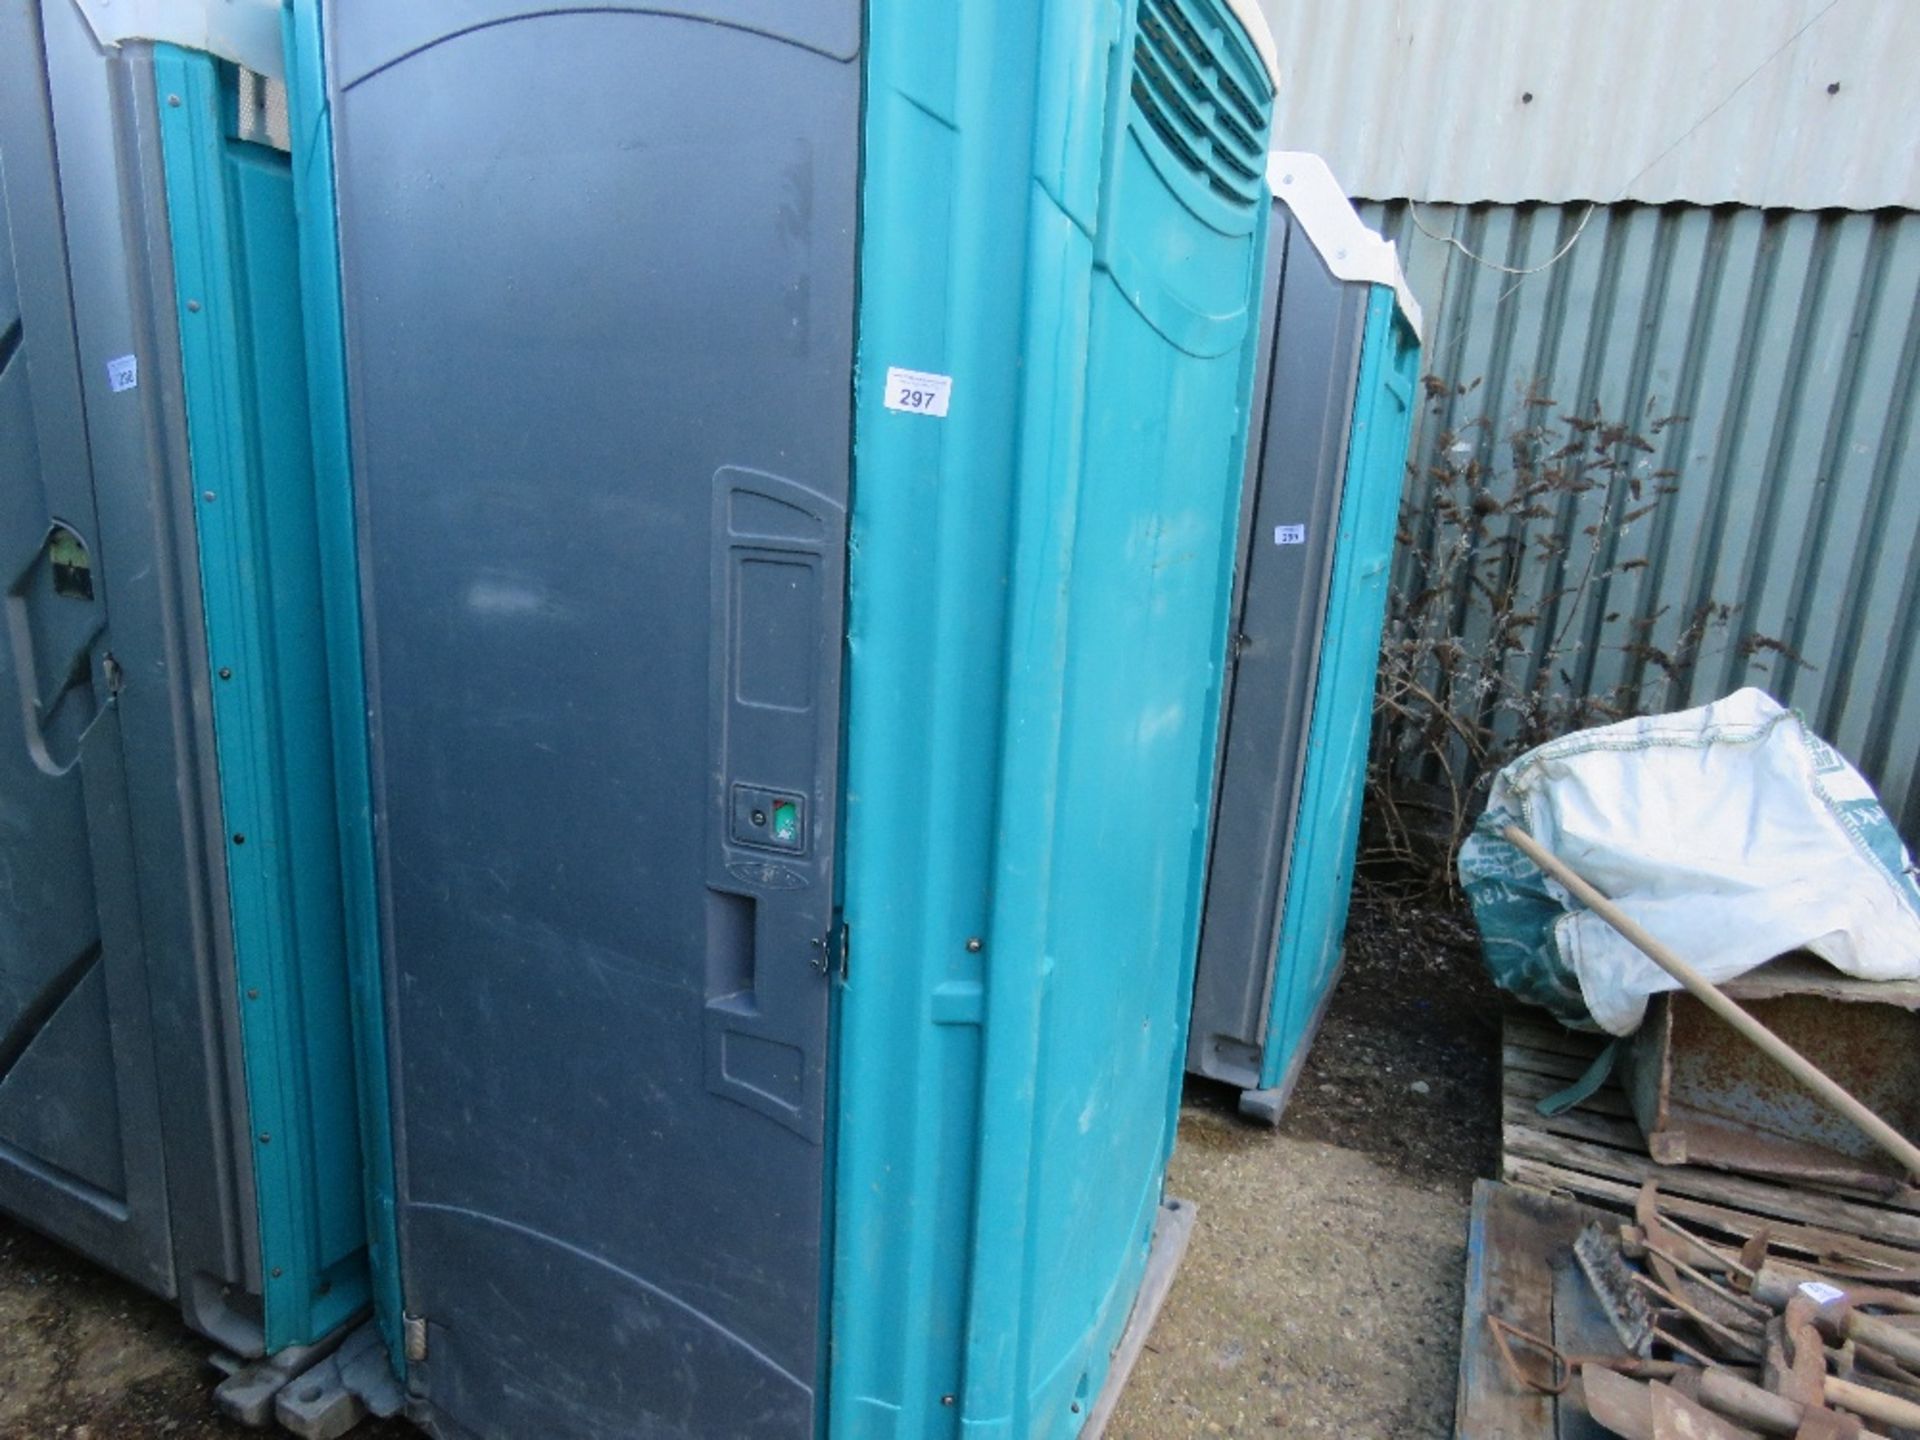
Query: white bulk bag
x,y
1731,832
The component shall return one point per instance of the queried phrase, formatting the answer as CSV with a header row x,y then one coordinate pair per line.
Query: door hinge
x,y
830,951
413,1329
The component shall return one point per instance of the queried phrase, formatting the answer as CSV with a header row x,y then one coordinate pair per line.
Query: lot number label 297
x,y
918,392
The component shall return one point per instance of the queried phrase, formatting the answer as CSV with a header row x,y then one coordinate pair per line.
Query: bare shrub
x,y
1506,550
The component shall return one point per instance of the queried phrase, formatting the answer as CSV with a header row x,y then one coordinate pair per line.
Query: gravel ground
x,y
85,1356
1321,1294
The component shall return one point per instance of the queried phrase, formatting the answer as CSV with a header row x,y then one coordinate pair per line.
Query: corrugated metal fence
x,y
1797,103
1790,343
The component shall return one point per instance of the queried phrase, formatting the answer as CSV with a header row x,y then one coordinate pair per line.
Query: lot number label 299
x,y
918,392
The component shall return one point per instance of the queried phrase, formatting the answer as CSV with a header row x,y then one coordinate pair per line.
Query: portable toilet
x,y
1339,362
177,1092
795,455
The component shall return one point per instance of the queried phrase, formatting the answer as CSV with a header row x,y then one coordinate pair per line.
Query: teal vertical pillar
x,y
236,259
314,207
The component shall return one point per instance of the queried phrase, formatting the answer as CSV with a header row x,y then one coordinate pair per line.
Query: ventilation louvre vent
x,y
260,110
1212,122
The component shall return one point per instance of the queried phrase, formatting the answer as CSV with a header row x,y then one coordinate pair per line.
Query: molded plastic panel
x,y
310,123
122,1107
1039,586
235,273
1341,364
1312,355
598,281
1320,875
380,35
79,1141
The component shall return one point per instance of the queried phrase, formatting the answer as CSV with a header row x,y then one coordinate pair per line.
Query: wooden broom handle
x,y
1708,994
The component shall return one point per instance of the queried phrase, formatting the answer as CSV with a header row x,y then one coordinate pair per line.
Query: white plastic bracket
x,y
246,32
1303,183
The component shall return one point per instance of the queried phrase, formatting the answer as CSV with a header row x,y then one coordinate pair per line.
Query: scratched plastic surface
x,y
1038,593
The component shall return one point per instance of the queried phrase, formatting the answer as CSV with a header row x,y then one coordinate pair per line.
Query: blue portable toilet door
x,y
597,285
80,1150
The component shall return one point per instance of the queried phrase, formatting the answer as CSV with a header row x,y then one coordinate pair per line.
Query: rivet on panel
x,y
946,1399
226,673
174,100
253,994
975,945
265,1138
276,1272
194,306
239,839
207,495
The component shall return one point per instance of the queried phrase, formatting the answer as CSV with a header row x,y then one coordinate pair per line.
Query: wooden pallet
x,y
1520,1267
1595,1153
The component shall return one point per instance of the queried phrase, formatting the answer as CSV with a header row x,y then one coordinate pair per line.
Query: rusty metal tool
x,y
1753,1406
1561,1367
1838,1313
1874,1404
1664,1244
1723,1334
1805,1378
1598,1255
1677,1417
1626,1406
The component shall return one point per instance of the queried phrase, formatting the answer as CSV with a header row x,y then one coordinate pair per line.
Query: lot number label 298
x,y
918,392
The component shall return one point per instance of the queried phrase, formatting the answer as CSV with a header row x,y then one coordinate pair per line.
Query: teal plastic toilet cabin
x,y
795,459
1327,455
177,1095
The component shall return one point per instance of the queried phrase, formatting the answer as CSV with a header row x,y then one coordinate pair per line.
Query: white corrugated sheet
x,y
1705,101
